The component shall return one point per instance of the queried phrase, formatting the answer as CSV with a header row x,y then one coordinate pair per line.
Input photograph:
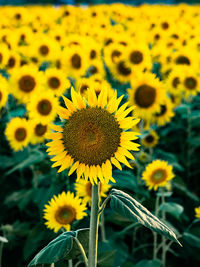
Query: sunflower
x,y
42,107
18,132
25,82
190,82
93,136
96,68
13,61
56,81
4,54
122,71
173,81
147,94
84,189
157,174
143,157
3,91
165,114
150,140
38,133
63,210
197,212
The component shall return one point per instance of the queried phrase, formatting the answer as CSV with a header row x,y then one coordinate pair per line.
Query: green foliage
x,y
62,247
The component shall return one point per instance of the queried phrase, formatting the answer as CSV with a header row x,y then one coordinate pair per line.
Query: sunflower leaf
x,y
62,247
128,207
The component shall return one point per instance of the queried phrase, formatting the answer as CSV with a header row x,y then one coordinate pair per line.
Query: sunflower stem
x,y
94,223
82,251
155,239
52,265
70,263
164,251
102,227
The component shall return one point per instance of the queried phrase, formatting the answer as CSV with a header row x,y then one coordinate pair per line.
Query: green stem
x,y
164,251
1,250
94,223
70,263
102,227
189,150
155,236
52,265
82,251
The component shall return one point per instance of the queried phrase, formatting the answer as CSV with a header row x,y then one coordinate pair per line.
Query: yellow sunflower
x,y
39,132
4,55
150,140
122,71
42,107
3,91
147,94
157,174
18,132
63,210
165,114
13,61
197,212
56,81
25,82
94,135
84,189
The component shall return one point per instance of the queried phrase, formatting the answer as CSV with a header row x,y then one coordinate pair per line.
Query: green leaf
x,y
191,239
149,263
127,206
173,208
106,258
62,247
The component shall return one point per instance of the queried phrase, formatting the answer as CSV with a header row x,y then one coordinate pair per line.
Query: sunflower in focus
x,y
147,93
56,81
42,108
63,210
3,91
95,134
150,140
157,174
18,132
197,212
25,82
84,189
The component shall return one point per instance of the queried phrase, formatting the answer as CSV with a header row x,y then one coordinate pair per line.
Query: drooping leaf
x,y
173,208
191,239
62,247
127,206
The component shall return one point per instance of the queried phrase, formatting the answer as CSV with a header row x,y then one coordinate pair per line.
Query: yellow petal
x,y
56,127
54,136
100,175
122,159
86,173
112,106
77,99
80,171
128,123
125,152
122,108
102,99
129,135
63,112
70,106
73,168
59,156
124,114
66,164
116,163
129,145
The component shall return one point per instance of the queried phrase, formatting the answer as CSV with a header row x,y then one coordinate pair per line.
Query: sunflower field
x,y
100,135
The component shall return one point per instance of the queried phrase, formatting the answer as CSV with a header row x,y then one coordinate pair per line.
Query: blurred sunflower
x,y
18,132
3,91
93,136
84,189
197,212
63,210
121,71
43,107
13,61
157,174
39,131
150,140
56,81
147,94
25,82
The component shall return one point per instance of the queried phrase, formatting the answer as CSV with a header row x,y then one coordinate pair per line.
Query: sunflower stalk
x,y
164,250
155,239
82,251
94,223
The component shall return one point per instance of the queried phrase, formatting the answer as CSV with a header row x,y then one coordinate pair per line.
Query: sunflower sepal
x,y
64,247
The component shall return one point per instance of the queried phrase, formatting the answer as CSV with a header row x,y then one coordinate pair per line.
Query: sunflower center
x,y
93,54
1,96
123,70
91,136
190,83
11,62
20,134
44,107
165,25
145,96
54,82
40,129
65,215
163,109
182,60
76,61
44,50
158,175
175,82
83,88
93,70
1,57
149,138
27,83
136,57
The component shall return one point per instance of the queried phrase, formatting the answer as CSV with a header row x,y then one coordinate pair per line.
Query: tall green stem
x,y
94,223
163,238
155,234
